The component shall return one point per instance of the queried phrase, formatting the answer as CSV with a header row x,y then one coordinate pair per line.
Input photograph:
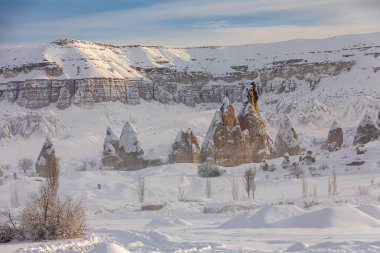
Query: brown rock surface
x,y
257,143
185,148
335,138
223,143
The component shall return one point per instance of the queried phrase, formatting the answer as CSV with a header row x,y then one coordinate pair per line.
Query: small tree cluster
x,y
249,182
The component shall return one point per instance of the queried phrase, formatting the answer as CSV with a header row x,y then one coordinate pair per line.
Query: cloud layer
x,y
191,23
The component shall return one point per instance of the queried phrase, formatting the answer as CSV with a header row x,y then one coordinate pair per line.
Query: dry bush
x,y
45,216
363,190
25,164
141,189
249,181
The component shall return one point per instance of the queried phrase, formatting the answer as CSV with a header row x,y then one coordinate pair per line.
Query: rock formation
x,y
232,140
335,138
46,160
185,148
27,123
257,143
130,151
223,142
367,130
287,139
110,149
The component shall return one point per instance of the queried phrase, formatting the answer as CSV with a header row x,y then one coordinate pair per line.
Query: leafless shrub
x,y
249,181
208,188
363,190
141,189
9,227
272,167
210,170
332,185
235,190
323,167
25,164
296,170
46,216
15,177
87,164
183,188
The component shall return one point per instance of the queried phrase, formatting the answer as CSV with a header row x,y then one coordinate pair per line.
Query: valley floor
x,y
279,219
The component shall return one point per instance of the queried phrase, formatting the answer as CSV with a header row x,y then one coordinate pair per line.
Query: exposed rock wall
x,y
169,85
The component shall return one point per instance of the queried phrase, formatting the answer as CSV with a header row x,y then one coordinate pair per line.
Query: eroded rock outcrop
x,y
257,143
223,142
287,139
232,140
335,138
110,149
130,151
185,148
367,130
46,160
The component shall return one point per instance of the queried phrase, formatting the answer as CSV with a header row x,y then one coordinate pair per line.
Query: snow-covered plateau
x,y
287,214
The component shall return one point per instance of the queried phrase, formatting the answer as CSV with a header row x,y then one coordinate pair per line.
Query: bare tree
x,y
235,190
305,187
183,188
25,164
141,189
208,188
332,185
249,181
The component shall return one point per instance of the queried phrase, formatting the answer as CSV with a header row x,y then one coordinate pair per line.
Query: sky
x,y
183,22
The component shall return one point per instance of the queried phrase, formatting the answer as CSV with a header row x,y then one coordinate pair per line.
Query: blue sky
x,y
183,22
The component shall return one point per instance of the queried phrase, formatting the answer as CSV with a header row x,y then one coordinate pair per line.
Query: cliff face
x,y
70,72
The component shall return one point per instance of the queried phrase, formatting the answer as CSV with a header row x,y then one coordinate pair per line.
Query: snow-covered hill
x,y
310,79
